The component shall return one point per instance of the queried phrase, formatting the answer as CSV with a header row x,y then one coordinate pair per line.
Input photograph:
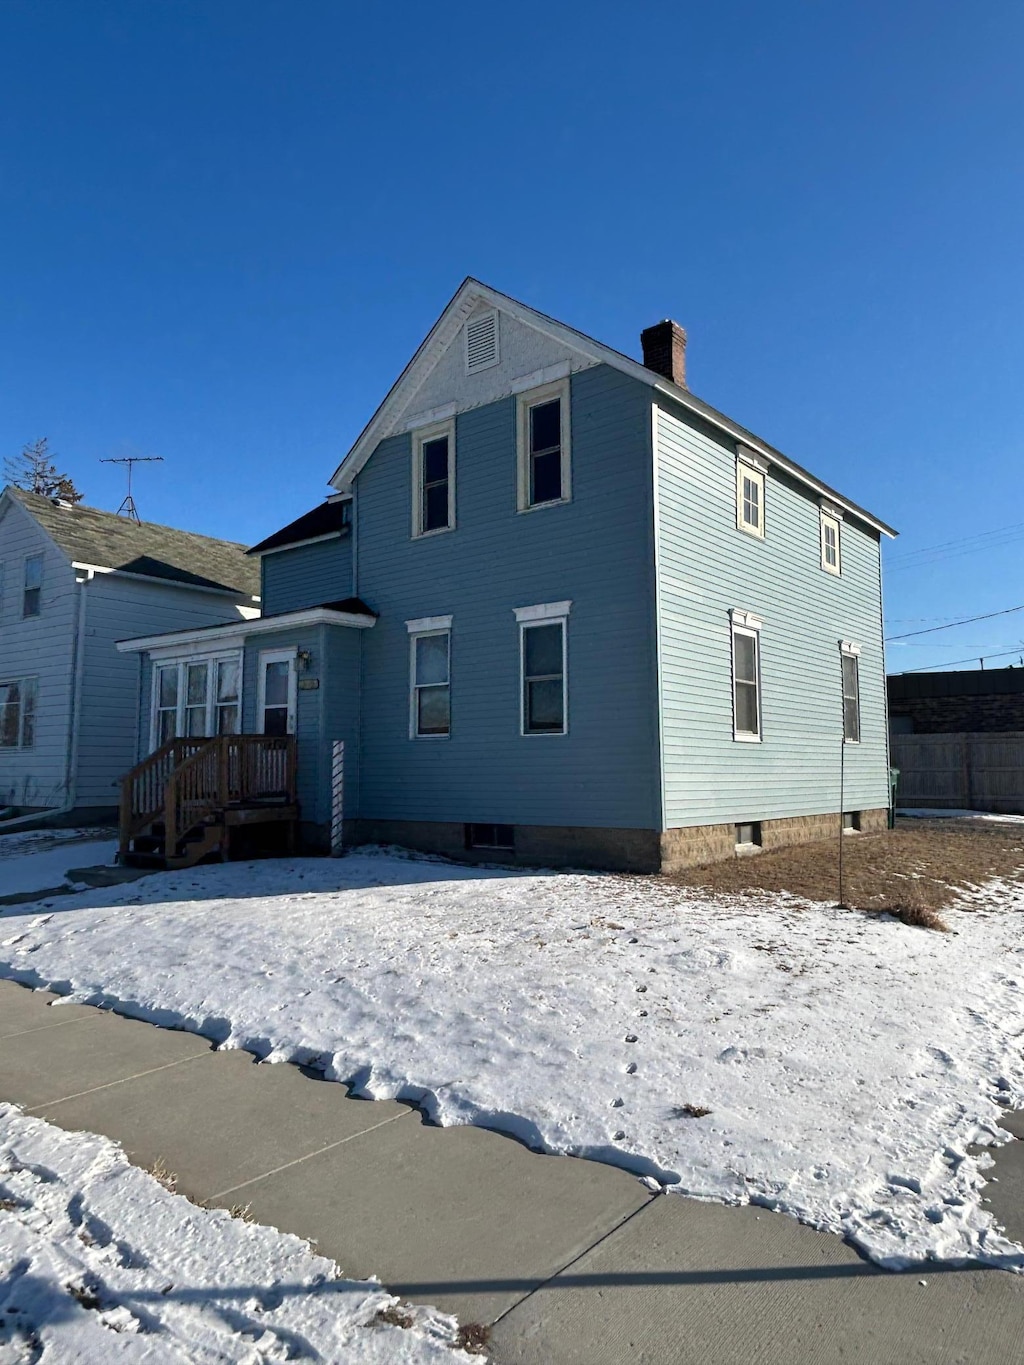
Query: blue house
x,y
557,610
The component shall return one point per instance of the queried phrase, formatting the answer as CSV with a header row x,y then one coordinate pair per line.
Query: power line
x,y
971,543
987,616
929,668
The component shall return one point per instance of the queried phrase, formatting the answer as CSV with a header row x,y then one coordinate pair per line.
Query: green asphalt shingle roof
x,y
89,536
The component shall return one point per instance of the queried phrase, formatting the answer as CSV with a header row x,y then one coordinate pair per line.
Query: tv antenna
x,y
128,508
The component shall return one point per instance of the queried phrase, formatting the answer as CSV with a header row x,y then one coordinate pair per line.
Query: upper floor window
x,y
430,640
750,472
542,663
746,676
433,479
830,544
543,446
18,713
33,594
851,691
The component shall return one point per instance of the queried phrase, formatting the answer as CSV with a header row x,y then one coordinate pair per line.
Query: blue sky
x,y
225,226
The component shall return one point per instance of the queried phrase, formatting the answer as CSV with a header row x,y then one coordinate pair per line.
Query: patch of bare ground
x,y
912,872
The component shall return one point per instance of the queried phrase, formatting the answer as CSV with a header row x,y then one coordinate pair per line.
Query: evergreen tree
x,y
35,472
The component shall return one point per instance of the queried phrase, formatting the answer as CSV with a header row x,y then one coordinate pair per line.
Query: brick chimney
x,y
665,350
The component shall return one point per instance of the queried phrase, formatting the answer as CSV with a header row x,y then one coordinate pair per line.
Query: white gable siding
x,y
40,647
523,351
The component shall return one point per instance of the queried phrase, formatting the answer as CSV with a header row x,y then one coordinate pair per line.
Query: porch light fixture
x,y
304,658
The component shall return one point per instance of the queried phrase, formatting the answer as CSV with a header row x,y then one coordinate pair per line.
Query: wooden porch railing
x,y
187,780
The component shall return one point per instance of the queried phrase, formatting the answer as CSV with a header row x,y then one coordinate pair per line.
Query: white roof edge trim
x,y
384,421
544,611
294,544
260,625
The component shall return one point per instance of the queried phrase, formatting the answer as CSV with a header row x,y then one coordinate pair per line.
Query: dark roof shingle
x,y
89,536
329,518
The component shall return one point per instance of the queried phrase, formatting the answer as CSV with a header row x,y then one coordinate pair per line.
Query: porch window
x,y
18,713
196,698
166,725
229,672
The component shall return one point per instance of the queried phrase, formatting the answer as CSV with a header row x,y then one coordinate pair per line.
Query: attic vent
x,y
481,342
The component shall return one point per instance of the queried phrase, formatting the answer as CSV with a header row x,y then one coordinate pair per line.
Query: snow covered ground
x,y
935,813
37,860
99,1262
751,1048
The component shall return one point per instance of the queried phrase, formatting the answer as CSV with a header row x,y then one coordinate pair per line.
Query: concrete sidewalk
x,y
569,1260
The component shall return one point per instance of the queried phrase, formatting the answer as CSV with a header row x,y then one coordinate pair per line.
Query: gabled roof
x,y
473,292
103,540
329,519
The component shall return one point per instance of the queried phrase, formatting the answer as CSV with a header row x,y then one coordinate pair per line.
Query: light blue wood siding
x,y
706,567
307,576
113,708
596,550
41,647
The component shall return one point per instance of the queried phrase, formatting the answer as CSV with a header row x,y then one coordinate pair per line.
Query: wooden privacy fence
x,y
980,771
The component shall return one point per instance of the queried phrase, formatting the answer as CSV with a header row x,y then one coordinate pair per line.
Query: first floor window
x,y
33,595
431,683
543,668
746,682
166,687
195,698
18,713
229,674
851,694
749,497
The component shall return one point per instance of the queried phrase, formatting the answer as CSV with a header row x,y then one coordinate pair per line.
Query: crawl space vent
x,y
481,342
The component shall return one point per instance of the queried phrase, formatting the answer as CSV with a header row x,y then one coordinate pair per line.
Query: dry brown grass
x,y
393,1316
912,872
473,1338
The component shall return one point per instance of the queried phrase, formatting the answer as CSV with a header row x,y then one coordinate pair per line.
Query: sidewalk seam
x,y
233,1189
41,1028
107,1085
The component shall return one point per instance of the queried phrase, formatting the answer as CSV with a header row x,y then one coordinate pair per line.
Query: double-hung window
x,y
18,713
543,671
433,479
196,698
746,676
32,598
750,477
542,440
430,640
831,520
849,657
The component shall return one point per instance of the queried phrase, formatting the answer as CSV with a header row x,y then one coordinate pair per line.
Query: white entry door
x,y
276,693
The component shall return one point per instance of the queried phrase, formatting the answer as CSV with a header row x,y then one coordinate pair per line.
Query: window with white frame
x,y
542,441
32,599
542,668
849,655
433,479
830,552
197,697
746,676
430,650
18,713
750,476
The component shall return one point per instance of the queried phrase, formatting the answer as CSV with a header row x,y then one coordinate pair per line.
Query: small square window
x,y
748,834
851,821
749,497
830,552
491,836
32,600
543,446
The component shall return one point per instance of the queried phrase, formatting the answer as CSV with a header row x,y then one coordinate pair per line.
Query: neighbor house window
x,y
543,446
750,472
196,698
1,584
542,664
18,713
430,639
746,676
830,553
851,691
32,599
433,479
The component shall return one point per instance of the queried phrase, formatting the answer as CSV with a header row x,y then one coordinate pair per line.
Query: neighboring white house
x,y
73,580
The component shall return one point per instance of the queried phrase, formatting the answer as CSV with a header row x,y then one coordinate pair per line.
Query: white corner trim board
x,y
544,611
425,623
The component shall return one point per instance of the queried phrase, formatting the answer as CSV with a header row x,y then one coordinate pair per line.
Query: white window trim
x,y
851,650
546,614
419,630
419,438
23,682
275,656
496,358
746,623
751,466
829,519
211,659
524,402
